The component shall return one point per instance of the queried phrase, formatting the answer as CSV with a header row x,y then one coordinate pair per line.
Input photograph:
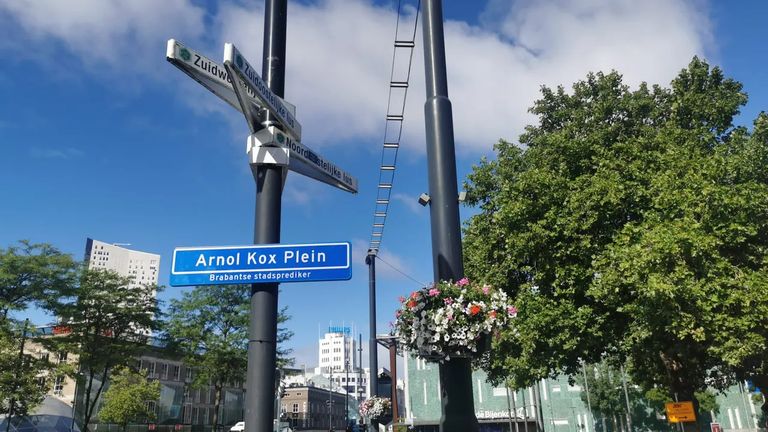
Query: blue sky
x,y
102,138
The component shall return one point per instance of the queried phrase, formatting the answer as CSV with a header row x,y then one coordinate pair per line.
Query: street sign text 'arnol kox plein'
x,y
272,263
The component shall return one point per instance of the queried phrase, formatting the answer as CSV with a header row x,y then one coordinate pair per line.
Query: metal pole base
x,y
458,403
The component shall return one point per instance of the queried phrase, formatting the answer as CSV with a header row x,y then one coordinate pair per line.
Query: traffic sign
x,y
236,63
212,75
302,159
273,263
680,412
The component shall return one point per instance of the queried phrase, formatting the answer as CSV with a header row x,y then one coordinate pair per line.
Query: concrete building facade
x,y
143,267
313,408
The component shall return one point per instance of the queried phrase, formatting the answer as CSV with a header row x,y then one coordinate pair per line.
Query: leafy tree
x,y
23,378
605,394
32,273
210,326
606,397
627,222
743,341
127,396
106,323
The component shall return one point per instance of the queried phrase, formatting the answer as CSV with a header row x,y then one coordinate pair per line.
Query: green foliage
x,y
125,399
606,391
631,226
32,274
23,382
107,320
209,325
707,401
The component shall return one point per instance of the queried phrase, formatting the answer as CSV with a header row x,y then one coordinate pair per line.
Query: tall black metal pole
x,y
458,409
262,344
373,359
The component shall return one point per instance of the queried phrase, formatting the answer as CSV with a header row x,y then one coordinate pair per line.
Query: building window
x,y
186,413
175,372
151,369
62,357
295,407
58,386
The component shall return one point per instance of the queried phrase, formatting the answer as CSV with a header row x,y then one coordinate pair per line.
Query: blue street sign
x,y
261,264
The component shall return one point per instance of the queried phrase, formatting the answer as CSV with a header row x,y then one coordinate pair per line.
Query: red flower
x,y
474,310
492,314
411,304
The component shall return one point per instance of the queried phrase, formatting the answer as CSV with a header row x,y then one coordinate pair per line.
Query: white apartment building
x,y
142,266
339,363
337,350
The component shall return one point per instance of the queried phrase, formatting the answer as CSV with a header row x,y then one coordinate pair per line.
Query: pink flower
x,y
512,310
462,282
398,313
402,299
415,295
448,300
433,292
486,289
492,314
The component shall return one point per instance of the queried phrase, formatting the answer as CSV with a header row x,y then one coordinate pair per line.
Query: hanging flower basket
x,y
377,409
452,319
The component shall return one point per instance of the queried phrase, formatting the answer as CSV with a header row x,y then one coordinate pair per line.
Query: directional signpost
x,y
256,97
261,264
212,75
238,65
273,146
302,159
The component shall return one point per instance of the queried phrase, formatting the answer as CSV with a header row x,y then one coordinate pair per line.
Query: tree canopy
x,y
24,379
209,325
127,396
33,273
627,223
105,324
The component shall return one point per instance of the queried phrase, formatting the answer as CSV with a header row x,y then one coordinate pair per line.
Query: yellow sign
x,y
680,412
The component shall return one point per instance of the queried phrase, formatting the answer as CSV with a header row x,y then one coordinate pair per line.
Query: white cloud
x,y
339,54
337,65
116,34
339,60
390,266
410,202
55,153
